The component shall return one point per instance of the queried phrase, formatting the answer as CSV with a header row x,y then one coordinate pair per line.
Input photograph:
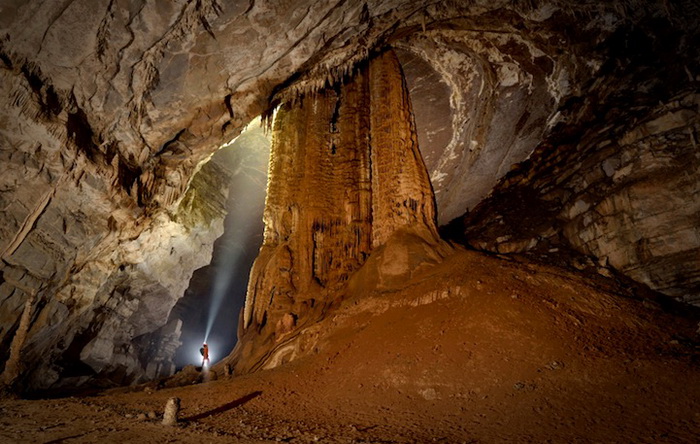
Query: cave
x,y
390,221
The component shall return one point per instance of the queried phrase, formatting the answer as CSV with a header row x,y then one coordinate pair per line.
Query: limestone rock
x,y
345,175
110,314
626,202
172,408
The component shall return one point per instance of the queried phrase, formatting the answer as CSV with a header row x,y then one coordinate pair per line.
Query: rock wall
x,y
614,177
345,176
488,89
95,272
630,198
482,102
105,318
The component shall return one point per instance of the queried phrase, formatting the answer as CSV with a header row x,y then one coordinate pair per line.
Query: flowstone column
x,y
401,192
345,174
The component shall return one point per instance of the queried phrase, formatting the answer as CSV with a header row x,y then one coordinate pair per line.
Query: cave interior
x,y
295,180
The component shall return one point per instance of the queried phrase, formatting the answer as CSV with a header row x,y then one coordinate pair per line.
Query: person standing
x,y
205,355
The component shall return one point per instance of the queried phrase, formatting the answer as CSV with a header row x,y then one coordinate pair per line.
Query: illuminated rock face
x,y
107,316
401,191
345,175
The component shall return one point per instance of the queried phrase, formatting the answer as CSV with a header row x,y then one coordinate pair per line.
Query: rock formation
x,y
628,199
617,178
345,176
107,314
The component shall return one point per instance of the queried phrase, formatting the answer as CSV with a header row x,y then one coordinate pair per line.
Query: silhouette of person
x,y
205,354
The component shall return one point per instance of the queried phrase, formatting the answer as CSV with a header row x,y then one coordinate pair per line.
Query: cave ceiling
x,y
160,85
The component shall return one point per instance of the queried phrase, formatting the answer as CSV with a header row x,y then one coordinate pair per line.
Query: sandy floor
x,y
476,350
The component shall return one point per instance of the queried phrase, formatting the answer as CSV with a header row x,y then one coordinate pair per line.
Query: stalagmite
x,y
317,216
401,191
345,174
13,366
172,408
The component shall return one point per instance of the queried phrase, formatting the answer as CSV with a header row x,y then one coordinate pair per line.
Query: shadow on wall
x,y
216,292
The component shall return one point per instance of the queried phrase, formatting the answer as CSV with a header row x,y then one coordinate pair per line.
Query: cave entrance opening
x,y
211,304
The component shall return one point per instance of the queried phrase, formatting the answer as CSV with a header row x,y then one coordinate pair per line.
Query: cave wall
x,y
482,102
487,92
99,271
616,178
103,314
627,196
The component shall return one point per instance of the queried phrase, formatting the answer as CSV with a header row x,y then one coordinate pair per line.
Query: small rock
x,y
128,415
141,417
519,386
429,394
152,415
604,271
555,365
172,408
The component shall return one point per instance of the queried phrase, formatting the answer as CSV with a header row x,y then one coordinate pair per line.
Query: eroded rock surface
x,y
630,199
107,316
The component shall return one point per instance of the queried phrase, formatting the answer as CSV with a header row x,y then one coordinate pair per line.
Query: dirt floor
x,y
475,350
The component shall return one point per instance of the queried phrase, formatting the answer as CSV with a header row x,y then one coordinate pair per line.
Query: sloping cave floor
x,y
476,349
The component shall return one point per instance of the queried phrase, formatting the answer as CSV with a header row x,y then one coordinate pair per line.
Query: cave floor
x,y
477,349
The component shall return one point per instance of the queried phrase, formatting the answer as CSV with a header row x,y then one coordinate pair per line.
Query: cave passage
x,y
209,309
211,305
480,222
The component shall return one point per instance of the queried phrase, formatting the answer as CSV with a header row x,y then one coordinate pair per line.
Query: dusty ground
x,y
477,349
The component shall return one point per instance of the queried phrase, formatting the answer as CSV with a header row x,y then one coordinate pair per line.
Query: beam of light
x,y
223,278
251,150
